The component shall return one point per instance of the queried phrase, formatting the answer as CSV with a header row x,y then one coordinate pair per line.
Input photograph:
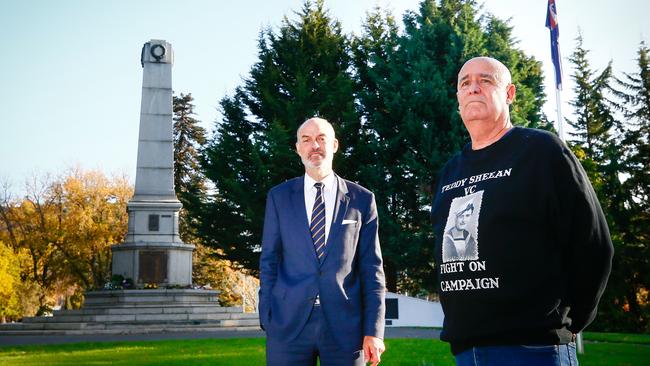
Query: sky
x,y
70,73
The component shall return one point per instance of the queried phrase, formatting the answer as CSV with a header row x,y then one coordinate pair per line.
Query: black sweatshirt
x,y
523,251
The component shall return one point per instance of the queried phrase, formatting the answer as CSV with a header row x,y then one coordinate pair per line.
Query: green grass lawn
x,y
600,349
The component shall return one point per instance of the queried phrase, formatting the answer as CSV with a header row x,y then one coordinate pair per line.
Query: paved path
x,y
17,340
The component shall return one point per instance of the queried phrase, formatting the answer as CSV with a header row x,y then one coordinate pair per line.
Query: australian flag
x,y
551,24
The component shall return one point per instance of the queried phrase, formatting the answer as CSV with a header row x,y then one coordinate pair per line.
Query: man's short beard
x,y
310,165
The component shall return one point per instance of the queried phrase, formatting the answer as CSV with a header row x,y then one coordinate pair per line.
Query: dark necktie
x,y
318,221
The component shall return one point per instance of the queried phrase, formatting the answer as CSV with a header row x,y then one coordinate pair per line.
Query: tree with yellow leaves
x,y
64,228
9,281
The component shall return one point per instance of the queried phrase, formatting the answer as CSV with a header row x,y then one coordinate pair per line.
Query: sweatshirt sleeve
x,y
584,236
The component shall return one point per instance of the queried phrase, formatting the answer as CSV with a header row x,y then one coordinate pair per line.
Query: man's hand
x,y
373,347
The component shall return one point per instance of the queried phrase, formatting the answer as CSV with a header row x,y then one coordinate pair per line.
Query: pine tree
x,y
594,117
609,149
595,132
627,297
407,95
392,100
232,217
209,266
373,53
636,98
303,70
188,180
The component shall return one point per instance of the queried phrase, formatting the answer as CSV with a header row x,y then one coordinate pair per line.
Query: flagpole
x,y
560,128
554,29
552,25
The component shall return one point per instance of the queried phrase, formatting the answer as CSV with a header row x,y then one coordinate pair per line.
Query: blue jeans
x,y
528,355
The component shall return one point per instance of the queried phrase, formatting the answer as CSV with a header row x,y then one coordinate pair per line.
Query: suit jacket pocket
x,y
349,234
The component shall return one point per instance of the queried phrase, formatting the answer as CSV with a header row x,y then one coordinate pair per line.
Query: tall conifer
x,y
303,70
189,183
407,96
629,308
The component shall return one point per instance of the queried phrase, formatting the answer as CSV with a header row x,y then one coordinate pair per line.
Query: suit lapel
x,y
340,208
300,212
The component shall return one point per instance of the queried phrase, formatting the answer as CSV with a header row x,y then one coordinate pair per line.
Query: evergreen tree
x,y
636,99
606,153
373,53
408,101
594,117
303,70
627,293
594,132
188,179
209,267
392,100
232,217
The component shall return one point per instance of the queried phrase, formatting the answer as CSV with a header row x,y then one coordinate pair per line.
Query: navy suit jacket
x,y
349,279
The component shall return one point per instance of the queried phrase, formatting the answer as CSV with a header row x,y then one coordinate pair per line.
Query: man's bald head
x,y
323,123
484,93
501,72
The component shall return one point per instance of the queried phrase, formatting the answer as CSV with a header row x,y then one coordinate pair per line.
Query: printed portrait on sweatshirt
x,y
460,241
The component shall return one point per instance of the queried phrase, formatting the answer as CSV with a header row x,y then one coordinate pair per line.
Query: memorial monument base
x,y
140,311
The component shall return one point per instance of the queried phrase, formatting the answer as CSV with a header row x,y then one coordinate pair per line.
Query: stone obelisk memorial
x,y
153,251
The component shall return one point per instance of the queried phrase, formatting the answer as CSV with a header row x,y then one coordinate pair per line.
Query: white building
x,y
405,311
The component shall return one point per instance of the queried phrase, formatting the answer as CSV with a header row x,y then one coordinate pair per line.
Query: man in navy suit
x,y
322,283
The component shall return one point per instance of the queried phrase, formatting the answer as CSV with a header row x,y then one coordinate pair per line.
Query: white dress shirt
x,y
330,187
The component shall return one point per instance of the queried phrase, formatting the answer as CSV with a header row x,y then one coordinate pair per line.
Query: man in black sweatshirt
x,y
540,248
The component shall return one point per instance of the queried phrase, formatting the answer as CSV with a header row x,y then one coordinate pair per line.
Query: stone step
x,y
126,325
133,330
101,318
163,305
203,309
125,303
154,296
197,324
41,326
